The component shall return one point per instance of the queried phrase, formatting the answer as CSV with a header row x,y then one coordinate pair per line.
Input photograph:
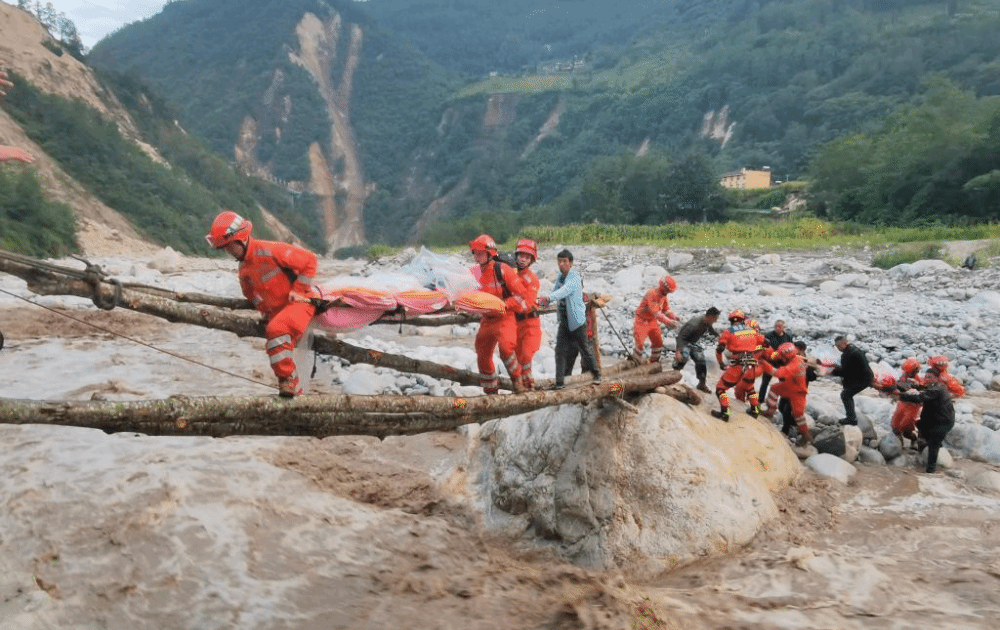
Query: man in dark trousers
x,y
937,417
774,339
571,338
855,373
688,346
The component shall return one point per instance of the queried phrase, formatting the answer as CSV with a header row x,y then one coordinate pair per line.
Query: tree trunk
x,y
317,416
192,308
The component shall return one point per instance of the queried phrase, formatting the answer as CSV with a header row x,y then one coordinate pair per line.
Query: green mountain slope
x,y
712,85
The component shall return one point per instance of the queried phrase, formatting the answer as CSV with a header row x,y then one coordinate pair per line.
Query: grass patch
x,y
766,233
926,251
533,84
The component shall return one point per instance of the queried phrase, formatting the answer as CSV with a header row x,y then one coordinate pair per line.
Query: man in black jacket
x,y
774,339
855,373
689,347
937,417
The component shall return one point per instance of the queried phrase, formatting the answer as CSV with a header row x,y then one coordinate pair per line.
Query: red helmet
x,y
668,284
886,382
227,228
527,246
484,243
938,361
787,350
911,366
753,323
737,316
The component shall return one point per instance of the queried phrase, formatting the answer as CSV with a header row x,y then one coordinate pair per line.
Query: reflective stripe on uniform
x,y
270,275
279,341
281,356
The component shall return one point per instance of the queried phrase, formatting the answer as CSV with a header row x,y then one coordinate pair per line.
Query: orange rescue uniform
x,y
792,385
651,312
529,327
906,414
499,330
271,274
742,343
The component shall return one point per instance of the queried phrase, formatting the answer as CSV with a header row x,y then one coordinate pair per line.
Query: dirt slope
x,y
101,230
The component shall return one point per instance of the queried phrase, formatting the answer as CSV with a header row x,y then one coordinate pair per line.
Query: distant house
x,y
747,178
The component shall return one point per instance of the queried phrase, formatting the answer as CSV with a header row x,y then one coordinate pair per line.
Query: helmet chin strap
x,y
244,244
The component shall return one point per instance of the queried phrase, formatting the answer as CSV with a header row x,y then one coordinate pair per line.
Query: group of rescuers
x,y
277,278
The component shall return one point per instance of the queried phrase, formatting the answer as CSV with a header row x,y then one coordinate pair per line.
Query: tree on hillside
x,y
929,162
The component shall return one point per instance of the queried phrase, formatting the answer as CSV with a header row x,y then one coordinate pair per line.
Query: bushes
x,y
926,251
29,223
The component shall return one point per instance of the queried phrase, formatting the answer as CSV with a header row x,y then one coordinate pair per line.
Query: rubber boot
x,y
722,414
753,411
288,387
702,387
519,387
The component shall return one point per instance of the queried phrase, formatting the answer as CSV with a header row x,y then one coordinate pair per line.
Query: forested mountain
x,y
109,166
432,119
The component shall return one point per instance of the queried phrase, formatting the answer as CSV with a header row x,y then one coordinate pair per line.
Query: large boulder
x,y
976,442
830,440
827,465
679,260
640,492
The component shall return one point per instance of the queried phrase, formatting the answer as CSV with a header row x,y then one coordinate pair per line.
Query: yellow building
x,y
747,178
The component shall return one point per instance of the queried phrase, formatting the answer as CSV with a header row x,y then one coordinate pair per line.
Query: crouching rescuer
x,y
277,279
792,385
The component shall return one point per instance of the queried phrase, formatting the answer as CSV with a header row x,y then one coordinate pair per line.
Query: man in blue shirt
x,y
567,293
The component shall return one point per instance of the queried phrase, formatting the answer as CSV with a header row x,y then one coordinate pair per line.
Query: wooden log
x,y
245,325
48,279
317,416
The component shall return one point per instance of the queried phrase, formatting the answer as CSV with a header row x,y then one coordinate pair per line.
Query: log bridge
x,y
318,416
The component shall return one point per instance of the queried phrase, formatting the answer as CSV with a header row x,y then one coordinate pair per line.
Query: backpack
x,y
503,259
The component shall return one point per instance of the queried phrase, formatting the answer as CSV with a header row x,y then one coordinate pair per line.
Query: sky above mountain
x,y
96,18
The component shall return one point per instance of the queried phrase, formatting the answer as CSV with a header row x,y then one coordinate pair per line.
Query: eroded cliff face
x,y
336,173
499,114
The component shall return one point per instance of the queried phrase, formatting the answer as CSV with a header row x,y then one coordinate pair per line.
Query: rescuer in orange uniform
x,y
904,417
277,279
792,385
939,362
500,329
529,325
653,311
742,343
762,353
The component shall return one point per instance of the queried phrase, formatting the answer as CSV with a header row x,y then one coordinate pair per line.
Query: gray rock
x,y
642,492
831,287
679,260
988,480
890,447
830,440
986,301
831,466
976,442
775,291
871,456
